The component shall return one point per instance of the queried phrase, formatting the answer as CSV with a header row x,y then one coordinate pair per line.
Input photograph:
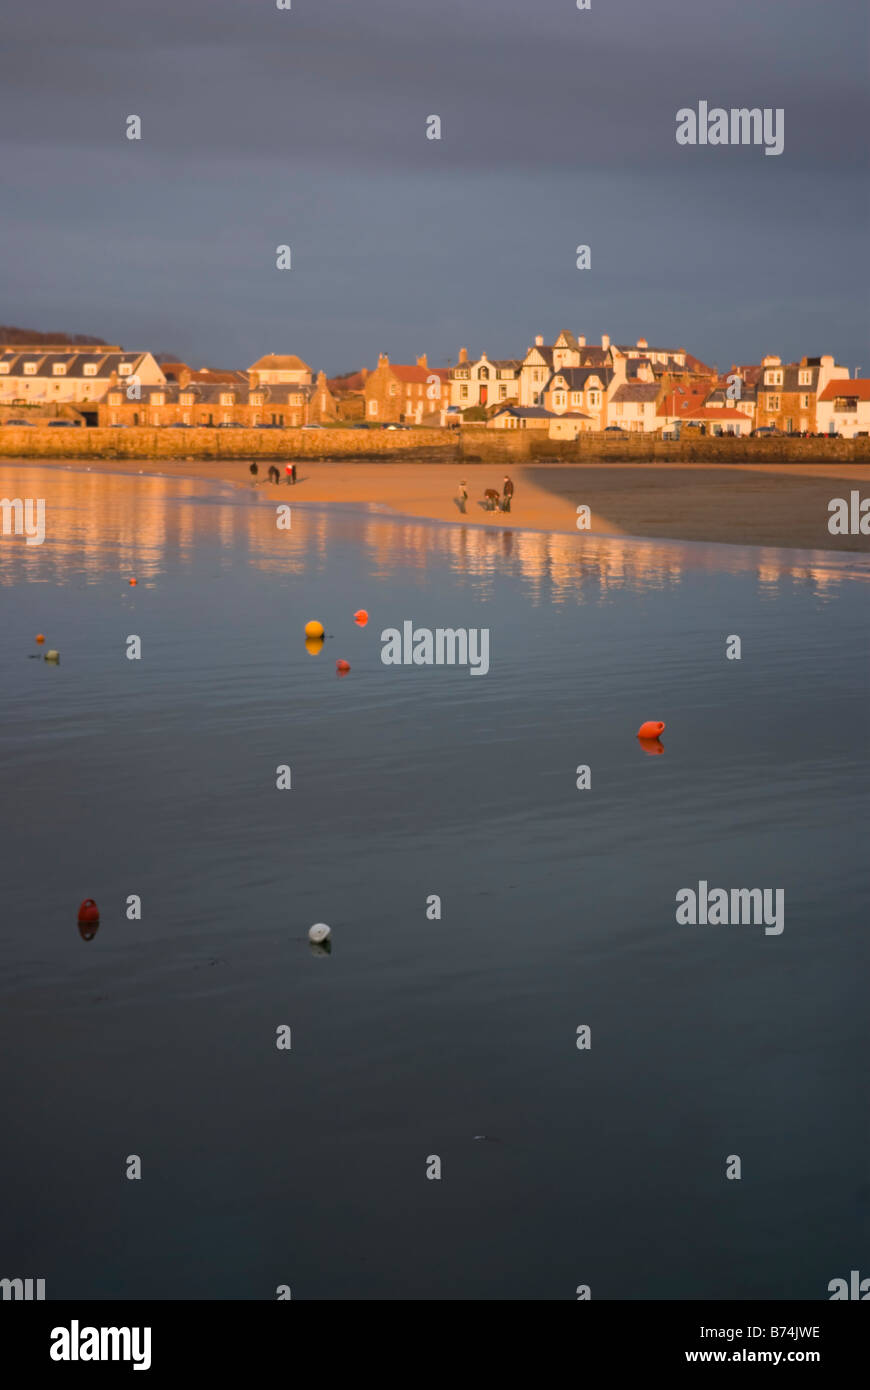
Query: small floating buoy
x,y
319,933
52,656
134,581
342,667
651,729
89,913
40,637
314,629
361,617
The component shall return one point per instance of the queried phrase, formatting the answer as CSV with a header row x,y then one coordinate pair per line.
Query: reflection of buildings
x,y
143,525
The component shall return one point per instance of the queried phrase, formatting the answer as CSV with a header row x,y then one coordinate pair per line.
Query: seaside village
x,y
562,389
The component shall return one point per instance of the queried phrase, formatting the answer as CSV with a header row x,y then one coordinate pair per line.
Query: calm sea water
x,y
308,1167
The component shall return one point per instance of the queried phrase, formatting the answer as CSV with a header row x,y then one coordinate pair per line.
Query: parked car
x,y
63,424
267,425
230,425
19,422
178,425
614,429
117,426
312,427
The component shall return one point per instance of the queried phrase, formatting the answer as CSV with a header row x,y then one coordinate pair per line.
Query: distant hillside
x,y
30,335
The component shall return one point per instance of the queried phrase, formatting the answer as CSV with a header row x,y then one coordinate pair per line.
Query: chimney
x,y
383,359
463,354
605,341
421,360
539,340
642,343
364,371
581,341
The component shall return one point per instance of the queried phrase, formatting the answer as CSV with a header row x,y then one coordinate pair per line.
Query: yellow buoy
x,y
314,629
52,656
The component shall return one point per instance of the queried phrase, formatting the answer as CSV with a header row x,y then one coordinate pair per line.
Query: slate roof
x,y
637,391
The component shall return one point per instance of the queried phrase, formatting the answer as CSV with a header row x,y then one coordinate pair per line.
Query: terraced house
x,y
788,392
62,377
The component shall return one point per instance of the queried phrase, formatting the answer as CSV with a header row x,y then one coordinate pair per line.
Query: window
x,y
373,409
463,393
125,369
393,388
226,398
483,374
58,369
158,399
773,376
805,402
30,369
773,402
805,377
593,398
90,369
502,393
4,368
559,398
576,397
617,408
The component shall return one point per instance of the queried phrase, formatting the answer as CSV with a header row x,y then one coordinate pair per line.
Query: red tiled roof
x,y
858,388
406,373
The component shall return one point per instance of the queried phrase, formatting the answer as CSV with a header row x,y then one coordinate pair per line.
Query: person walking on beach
x,y
508,491
254,470
274,475
290,470
463,495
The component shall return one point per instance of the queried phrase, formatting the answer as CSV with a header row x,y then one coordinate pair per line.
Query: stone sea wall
x,y
423,445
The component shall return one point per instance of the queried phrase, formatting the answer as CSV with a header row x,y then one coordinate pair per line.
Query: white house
x,y
843,407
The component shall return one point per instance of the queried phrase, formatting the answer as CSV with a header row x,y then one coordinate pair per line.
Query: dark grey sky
x,y
307,127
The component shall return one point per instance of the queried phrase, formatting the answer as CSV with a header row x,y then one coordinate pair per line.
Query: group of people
x,y
493,500
275,473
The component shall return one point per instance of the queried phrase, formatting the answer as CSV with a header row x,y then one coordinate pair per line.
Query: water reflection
x,y
144,524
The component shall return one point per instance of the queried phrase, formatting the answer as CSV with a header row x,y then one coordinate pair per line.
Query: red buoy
x,y
342,667
134,581
361,617
651,729
89,912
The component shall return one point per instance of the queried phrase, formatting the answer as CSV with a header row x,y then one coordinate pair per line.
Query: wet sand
x,y
744,504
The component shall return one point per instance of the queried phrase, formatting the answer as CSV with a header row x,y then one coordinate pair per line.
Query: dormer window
x,y
30,369
226,398
4,368
125,369
58,369
773,376
90,369
158,398
805,377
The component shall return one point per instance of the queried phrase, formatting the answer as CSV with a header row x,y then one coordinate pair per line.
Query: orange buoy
x,y
133,581
89,913
361,617
651,729
314,629
40,637
652,745
342,667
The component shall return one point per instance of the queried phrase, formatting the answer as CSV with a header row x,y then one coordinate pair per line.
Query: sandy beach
x,y
744,504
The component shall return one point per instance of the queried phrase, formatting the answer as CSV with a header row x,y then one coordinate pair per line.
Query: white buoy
x,y
319,932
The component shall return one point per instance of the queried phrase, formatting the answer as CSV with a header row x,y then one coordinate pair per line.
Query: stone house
x,y
788,392
397,393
